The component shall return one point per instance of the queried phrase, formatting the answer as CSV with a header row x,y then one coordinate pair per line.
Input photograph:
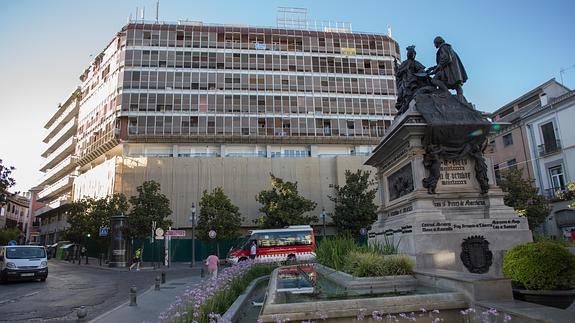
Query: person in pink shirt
x,y
212,263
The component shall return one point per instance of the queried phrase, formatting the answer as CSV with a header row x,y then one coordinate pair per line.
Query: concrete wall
x,y
183,179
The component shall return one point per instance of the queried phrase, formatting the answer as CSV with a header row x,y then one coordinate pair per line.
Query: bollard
x,y
202,273
81,314
133,296
163,277
157,287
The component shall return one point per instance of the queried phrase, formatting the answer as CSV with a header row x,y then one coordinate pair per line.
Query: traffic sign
x,y
159,232
176,233
212,234
104,231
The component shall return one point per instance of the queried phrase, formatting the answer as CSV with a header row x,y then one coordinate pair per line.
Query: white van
x,y
23,262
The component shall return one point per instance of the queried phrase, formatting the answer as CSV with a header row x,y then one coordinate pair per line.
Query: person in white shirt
x,y
253,250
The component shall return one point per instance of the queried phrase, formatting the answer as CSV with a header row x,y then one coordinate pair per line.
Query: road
x,y
70,286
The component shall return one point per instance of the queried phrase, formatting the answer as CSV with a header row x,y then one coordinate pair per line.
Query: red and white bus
x,y
296,242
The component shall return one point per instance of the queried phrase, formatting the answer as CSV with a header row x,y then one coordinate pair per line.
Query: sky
x,y
508,48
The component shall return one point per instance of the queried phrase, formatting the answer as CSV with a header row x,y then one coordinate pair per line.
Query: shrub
x,y
332,252
397,265
369,264
540,265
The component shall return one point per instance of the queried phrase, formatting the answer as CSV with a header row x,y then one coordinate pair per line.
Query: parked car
x,y
23,262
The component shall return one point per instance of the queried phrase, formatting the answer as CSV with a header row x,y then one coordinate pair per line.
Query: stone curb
x,y
231,314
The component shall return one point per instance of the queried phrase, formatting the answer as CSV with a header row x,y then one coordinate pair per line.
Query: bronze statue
x,y
407,81
449,72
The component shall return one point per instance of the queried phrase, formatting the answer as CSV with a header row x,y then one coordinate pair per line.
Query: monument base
x,y
440,204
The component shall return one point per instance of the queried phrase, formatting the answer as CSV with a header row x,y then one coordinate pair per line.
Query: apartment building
x,y
510,142
54,192
536,136
195,106
14,214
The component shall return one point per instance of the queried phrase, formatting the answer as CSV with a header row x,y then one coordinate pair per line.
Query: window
x,y
497,174
508,139
512,164
549,140
277,239
557,178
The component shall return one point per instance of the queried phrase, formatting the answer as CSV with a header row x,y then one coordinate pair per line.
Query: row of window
x,y
255,104
202,125
372,45
254,62
247,82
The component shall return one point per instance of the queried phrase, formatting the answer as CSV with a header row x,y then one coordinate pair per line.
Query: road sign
x,y
212,234
104,231
159,232
12,243
176,233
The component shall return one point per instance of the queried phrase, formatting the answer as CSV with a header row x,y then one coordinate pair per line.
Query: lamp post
x,y
88,236
323,218
193,221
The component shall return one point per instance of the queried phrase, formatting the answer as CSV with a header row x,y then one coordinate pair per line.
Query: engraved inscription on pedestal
x,y
400,183
456,174
475,254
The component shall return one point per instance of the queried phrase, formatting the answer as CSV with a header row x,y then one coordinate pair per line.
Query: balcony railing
x,y
61,168
55,188
549,148
57,124
63,135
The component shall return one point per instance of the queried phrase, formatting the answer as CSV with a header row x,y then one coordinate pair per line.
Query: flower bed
x,y
206,301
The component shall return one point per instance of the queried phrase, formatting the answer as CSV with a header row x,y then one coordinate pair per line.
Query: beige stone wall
x,y
183,179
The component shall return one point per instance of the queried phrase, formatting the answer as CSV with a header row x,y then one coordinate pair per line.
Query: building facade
x,y
14,214
510,142
54,191
535,136
552,147
196,106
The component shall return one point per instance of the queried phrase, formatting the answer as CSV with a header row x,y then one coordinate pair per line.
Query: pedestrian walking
x,y
253,250
212,263
137,260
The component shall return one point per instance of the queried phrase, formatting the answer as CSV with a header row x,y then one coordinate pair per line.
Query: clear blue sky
x,y
508,47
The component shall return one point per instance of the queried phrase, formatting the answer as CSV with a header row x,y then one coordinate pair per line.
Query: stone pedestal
x,y
458,228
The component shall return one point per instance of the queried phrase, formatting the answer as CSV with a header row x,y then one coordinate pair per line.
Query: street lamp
x,y
323,217
193,221
88,236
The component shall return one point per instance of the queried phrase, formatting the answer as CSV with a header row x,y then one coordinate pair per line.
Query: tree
x,y
522,196
8,234
282,206
218,213
6,181
149,205
354,207
88,215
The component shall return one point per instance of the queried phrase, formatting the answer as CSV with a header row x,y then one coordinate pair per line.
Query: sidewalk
x,y
150,303
145,266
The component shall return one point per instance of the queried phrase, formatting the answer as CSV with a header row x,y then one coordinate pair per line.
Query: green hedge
x,y
369,264
345,254
540,265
